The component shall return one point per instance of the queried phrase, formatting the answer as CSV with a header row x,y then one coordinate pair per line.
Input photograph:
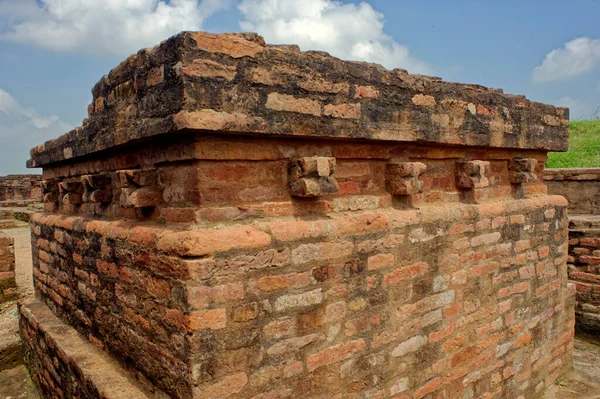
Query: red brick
x,y
201,296
226,387
204,242
285,102
431,386
214,319
405,272
522,340
441,334
334,354
275,283
348,111
485,239
518,288
380,261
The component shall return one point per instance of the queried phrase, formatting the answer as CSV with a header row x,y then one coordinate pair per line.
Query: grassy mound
x,y
584,147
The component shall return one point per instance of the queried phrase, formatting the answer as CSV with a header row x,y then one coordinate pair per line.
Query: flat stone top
x,y
236,84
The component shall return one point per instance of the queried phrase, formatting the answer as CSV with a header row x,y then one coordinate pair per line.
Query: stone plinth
x,y
250,221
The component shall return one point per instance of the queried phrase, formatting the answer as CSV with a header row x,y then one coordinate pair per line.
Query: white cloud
x,y
577,57
105,27
22,128
349,31
577,109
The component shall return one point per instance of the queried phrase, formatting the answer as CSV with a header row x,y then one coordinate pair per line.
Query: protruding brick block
x,y
312,177
139,188
522,170
403,178
472,174
50,191
97,188
71,192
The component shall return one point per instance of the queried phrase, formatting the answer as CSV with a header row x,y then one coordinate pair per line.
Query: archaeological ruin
x,y
20,190
240,220
581,187
8,284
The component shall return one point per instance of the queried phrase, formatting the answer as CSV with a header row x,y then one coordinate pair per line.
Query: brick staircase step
x,y
76,366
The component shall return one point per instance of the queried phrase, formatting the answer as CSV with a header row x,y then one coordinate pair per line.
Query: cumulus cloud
x,y
20,129
345,30
105,27
577,57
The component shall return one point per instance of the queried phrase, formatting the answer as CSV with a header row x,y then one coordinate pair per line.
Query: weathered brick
x,y
214,319
406,272
299,300
334,354
201,296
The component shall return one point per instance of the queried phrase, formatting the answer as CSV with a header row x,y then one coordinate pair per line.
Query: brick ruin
x,y
250,221
581,186
8,284
18,190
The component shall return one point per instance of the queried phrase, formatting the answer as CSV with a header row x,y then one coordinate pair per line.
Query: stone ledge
x,y
577,174
70,361
235,83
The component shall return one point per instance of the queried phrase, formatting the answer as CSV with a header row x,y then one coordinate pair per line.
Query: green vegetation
x,y
584,147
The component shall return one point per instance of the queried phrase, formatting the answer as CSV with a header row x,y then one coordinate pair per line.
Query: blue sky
x,y
53,51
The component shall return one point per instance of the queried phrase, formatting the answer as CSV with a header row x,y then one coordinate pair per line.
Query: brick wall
x,y
352,260
581,186
8,285
20,187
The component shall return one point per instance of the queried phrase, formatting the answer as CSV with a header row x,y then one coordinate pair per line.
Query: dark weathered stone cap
x,y
236,84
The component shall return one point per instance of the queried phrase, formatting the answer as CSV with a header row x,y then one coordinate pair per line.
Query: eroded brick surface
x,y
264,266
250,87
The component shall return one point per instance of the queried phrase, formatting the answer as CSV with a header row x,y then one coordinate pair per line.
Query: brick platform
x,y
250,221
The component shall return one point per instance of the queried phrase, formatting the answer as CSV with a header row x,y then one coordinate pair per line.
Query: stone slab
x,y
235,83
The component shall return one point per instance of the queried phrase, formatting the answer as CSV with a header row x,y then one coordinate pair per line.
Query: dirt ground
x,y
584,382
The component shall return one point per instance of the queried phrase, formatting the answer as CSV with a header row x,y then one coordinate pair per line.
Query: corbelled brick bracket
x,y
238,220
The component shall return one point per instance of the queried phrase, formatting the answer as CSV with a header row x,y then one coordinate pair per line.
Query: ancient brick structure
x,y
249,221
8,285
16,189
581,186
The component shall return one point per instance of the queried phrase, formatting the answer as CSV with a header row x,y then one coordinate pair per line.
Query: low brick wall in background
x,y
237,220
584,270
8,285
16,189
581,187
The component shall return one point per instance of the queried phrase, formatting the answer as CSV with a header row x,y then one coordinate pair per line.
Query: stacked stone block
x,y
8,285
250,221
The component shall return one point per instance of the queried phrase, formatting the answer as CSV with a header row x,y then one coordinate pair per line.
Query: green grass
x,y
584,147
